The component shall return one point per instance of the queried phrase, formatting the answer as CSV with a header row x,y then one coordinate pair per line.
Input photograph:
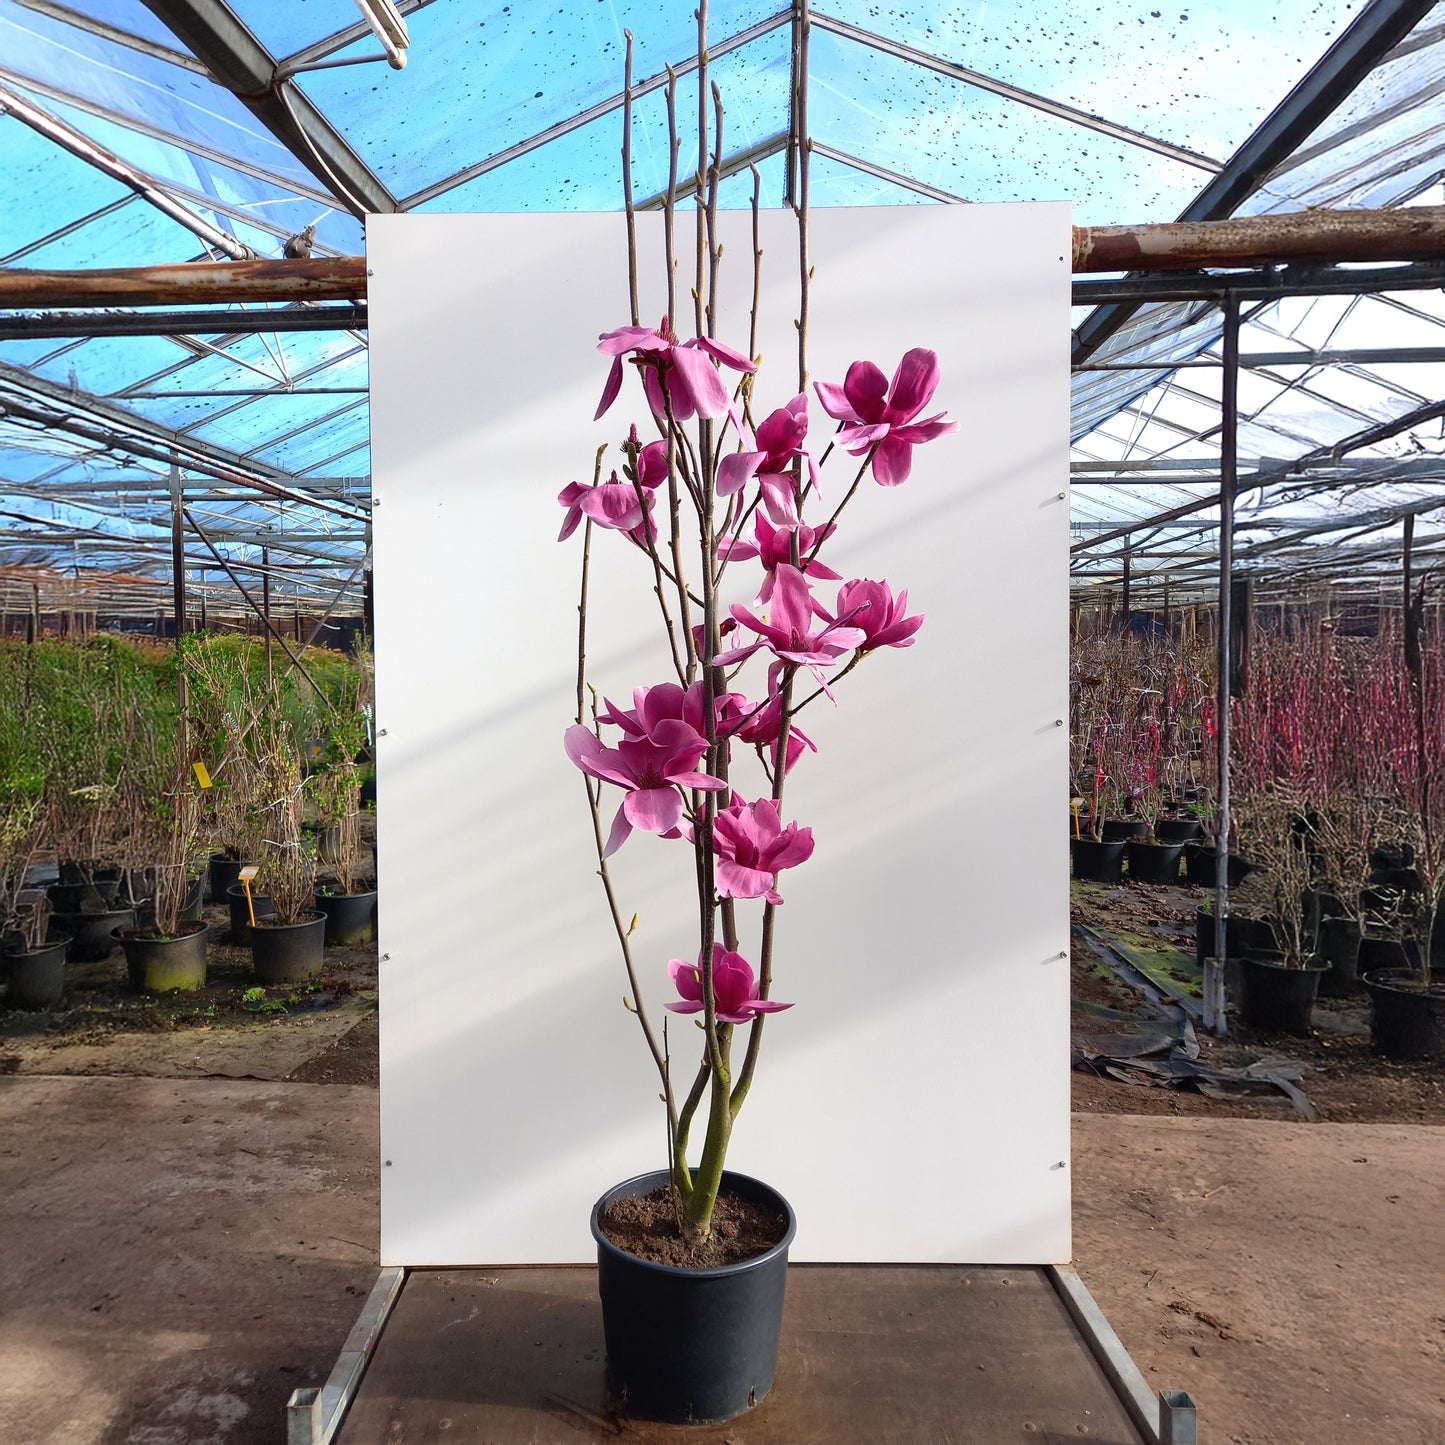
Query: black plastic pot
x,y
93,935
1199,865
288,952
1103,862
1243,935
1338,943
691,1345
37,975
1276,999
350,917
1379,954
158,965
223,873
1153,862
1179,830
145,881
1117,828
241,914
1406,1022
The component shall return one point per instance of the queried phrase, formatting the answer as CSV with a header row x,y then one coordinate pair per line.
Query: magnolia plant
x,y
672,754
716,505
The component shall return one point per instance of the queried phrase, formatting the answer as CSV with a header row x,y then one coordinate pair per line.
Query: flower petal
x,y
610,390
914,383
621,831
866,387
695,373
736,470
892,462
654,810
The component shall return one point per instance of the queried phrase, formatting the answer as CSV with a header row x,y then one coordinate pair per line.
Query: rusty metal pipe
x,y
1413,234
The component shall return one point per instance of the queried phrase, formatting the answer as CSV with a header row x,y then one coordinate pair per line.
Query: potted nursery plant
x,y
1408,1003
168,951
692,1258
1150,859
33,954
289,945
346,900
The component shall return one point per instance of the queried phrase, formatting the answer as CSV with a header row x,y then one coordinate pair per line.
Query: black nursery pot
x,y
158,965
691,1345
1124,828
1153,862
37,976
350,917
288,952
1406,1022
1103,862
1179,830
241,915
1277,999
223,873
93,935
1200,865
1339,944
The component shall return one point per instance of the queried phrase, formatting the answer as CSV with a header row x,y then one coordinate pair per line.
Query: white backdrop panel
x,y
914,1105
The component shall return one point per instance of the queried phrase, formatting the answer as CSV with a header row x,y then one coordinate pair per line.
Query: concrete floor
x,y
177,1255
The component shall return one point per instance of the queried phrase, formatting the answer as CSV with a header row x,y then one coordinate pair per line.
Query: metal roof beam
x,y
240,63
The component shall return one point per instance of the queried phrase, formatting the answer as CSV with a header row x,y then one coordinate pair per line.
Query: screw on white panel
x,y
1062,495
381,732
388,1163
375,503
1058,722
370,272
1063,953
386,957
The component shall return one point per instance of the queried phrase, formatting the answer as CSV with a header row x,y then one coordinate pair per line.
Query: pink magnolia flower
x,y
774,547
780,442
653,706
614,504
791,633
872,607
875,414
753,847
734,989
680,373
762,726
651,768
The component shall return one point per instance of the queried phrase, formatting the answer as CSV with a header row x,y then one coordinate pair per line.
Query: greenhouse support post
x,y
1215,1005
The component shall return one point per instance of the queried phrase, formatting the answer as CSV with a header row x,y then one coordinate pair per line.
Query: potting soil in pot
x,y
647,1227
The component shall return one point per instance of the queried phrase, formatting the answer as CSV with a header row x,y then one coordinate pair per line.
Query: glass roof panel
x,y
1182,60
35,47
35,167
133,16
736,191
134,236
832,183
103,364
171,165
978,146
504,77
297,24
581,171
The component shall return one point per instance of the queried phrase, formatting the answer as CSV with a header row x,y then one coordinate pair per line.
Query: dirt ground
x,y
186,1245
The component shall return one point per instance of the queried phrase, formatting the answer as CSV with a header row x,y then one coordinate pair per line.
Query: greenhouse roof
x,y
177,130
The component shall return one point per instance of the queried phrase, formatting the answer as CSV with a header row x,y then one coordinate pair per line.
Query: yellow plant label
x,y
202,776
248,872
